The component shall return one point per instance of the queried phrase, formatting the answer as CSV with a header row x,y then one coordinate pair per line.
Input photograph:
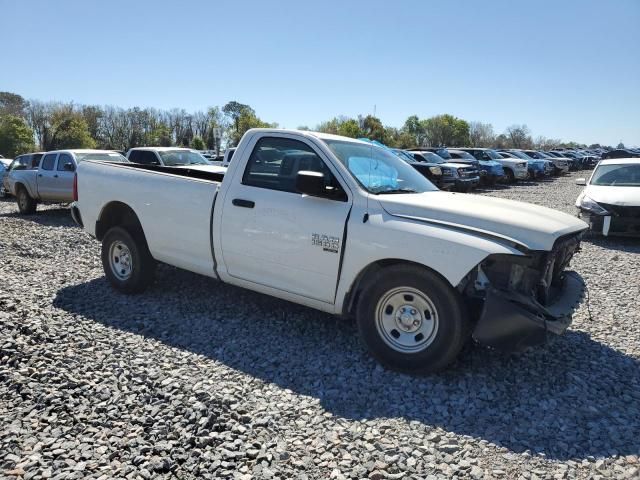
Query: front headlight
x,y
435,170
592,206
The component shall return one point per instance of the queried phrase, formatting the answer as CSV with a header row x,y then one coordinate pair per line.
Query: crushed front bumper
x,y
512,321
614,225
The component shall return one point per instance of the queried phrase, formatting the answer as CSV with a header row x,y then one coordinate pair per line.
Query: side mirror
x,y
311,183
69,167
581,181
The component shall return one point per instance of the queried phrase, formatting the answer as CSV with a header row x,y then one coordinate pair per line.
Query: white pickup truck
x,y
345,227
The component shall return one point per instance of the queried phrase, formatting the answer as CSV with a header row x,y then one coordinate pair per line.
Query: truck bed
x,y
173,205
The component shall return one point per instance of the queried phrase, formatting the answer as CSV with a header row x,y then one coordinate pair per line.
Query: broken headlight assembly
x,y
591,206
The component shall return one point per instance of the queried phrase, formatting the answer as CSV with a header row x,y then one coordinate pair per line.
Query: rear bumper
x,y
513,322
75,214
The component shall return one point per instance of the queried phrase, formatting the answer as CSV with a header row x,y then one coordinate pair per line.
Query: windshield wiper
x,y
398,190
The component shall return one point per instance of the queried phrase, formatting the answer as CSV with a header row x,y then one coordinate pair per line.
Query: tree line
x,y
28,125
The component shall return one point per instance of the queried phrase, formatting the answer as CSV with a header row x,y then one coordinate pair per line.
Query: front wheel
x,y
26,204
511,178
126,261
412,320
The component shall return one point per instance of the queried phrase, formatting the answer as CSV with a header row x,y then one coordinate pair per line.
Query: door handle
x,y
55,176
39,174
239,202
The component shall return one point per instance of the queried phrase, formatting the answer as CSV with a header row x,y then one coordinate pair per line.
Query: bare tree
x,y
481,134
519,136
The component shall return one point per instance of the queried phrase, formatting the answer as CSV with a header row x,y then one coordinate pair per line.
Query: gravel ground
x,y
197,379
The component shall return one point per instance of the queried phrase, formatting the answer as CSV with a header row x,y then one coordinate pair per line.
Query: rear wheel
x,y
3,191
411,320
126,261
26,204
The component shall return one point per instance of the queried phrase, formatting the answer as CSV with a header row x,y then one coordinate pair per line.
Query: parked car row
x,y
463,169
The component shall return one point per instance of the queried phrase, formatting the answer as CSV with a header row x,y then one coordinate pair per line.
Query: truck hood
x,y
623,196
534,227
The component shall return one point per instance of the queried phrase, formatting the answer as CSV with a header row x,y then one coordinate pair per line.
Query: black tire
x,y
511,178
445,342
141,264
26,204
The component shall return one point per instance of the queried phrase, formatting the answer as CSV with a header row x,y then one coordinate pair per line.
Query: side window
x,y
149,158
275,163
49,161
144,157
134,156
34,161
63,160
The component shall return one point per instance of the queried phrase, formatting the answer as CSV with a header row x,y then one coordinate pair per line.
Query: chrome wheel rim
x,y
406,319
120,260
23,200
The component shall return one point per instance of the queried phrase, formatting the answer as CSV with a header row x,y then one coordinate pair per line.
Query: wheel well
x,y
118,214
360,283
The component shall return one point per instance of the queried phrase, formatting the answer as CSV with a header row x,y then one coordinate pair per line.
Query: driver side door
x,y
276,237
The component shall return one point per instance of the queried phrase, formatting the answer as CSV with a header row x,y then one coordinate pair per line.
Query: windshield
x,y
443,153
465,155
105,156
407,157
378,170
621,175
493,155
174,158
520,155
431,157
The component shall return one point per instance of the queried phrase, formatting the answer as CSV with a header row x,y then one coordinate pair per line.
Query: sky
x,y
567,69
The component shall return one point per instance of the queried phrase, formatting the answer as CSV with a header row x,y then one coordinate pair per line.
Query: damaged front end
x,y
524,298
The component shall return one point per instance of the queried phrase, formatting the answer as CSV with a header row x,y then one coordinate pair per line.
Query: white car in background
x,y
610,202
172,157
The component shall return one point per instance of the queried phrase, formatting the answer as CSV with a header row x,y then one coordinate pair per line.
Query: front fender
x,y
450,252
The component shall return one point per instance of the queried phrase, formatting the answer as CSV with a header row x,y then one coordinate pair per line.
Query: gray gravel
x,y
197,379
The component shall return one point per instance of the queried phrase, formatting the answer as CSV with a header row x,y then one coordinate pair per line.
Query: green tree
x,y
349,128
198,143
446,130
246,121
12,104
373,129
345,126
414,128
160,136
70,130
234,110
15,136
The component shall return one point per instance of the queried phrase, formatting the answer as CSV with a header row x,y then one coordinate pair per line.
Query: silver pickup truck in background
x,y
52,180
